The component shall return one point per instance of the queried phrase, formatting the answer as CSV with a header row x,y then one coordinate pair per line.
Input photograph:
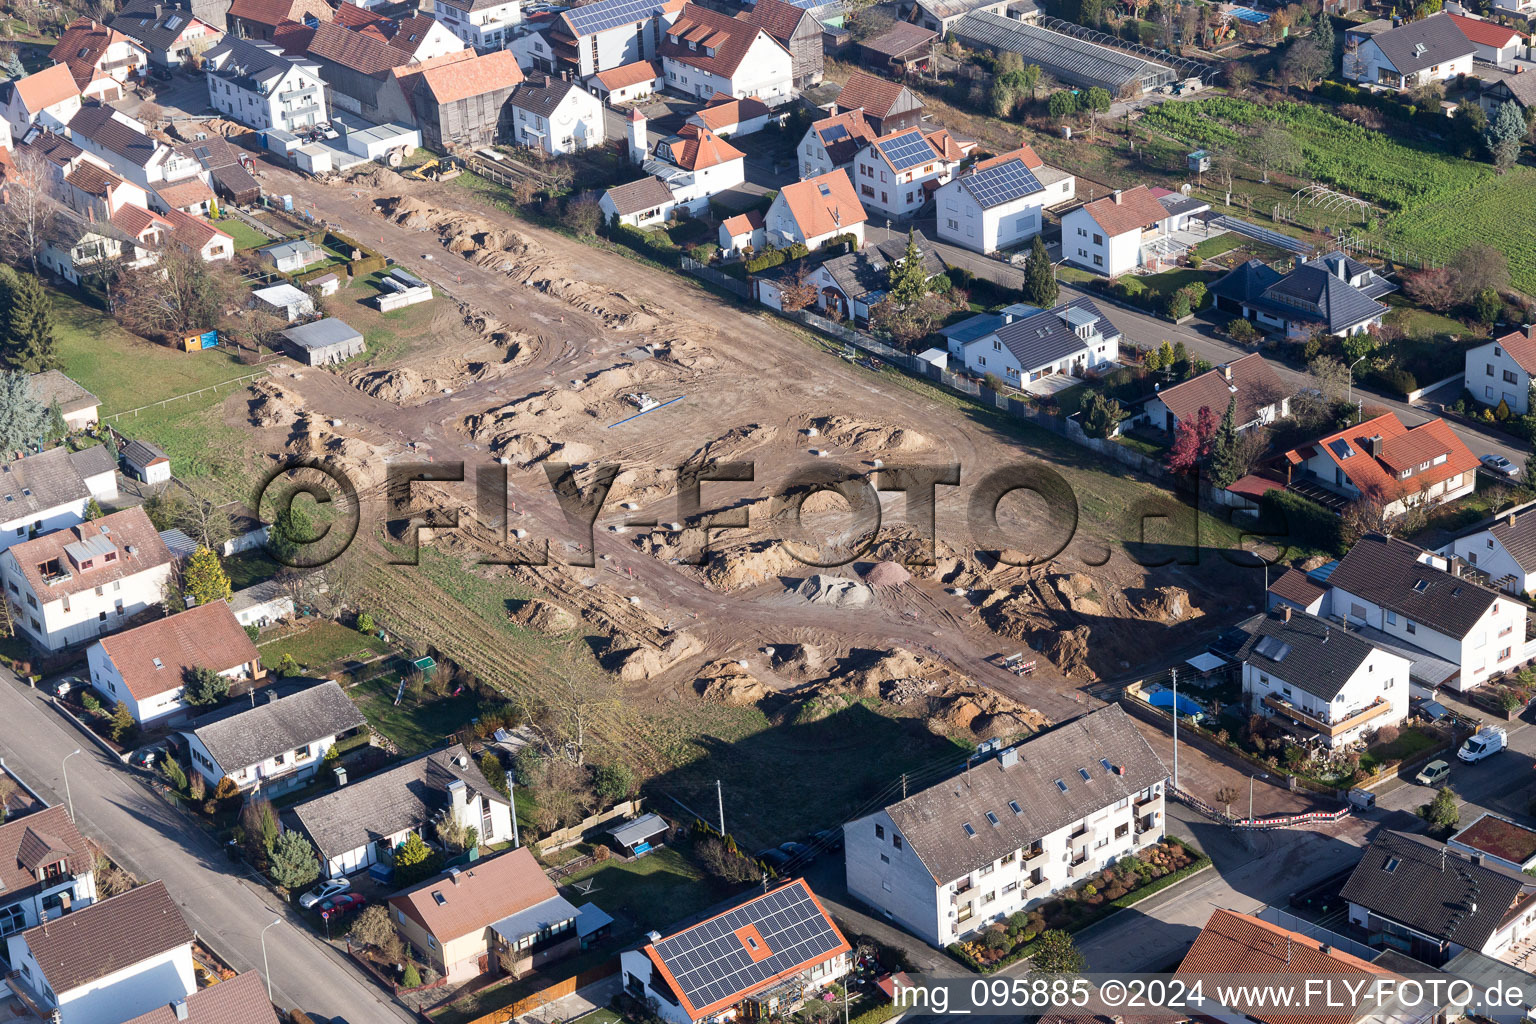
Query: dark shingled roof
x,y
1310,654
1516,531
107,937
932,821
635,196
408,795
1296,587
1434,890
1387,571
51,386
97,124
241,736
39,482
1340,303
1438,35
1046,336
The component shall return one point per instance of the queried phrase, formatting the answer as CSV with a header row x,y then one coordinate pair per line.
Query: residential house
x,y
76,583
1000,203
54,387
1503,549
93,51
171,36
76,248
1432,49
470,920
831,143
1331,685
125,145
732,117
764,958
1399,594
255,84
852,284
1430,901
46,867
1519,89
198,235
262,604
485,25
888,106
1233,943
1502,370
901,49
1296,590
48,97
1494,838
258,20
958,334
705,52
229,169
815,211
1332,294
238,1000
356,68
277,744
360,824
1382,460
1491,42
608,34
50,490
422,37
639,204
466,102
1072,338
627,82
1106,236
147,668
1249,380
942,15
1017,827
192,195
897,173
556,115
696,164
110,961
292,256
797,30
741,232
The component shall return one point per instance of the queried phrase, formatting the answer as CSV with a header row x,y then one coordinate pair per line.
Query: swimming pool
x,y
1248,14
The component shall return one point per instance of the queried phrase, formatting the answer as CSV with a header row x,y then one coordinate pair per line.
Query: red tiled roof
x,y
949,147
875,96
1521,346
725,112
1294,585
366,54
476,76
409,33
777,18
410,74
483,892
107,937
1485,32
194,232
135,221
129,528
155,657
856,131
83,45
273,13
293,38
44,88
92,179
185,193
702,148
728,38
823,204
626,75
350,15
1254,384
1132,210
1400,449
240,1000
35,841
1024,153
743,223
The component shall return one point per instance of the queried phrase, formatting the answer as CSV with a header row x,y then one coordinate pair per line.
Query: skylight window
x,y
159,663
1061,785
992,819
969,830
439,898
1107,766
1084,773
1013,805
1391,864
1421,586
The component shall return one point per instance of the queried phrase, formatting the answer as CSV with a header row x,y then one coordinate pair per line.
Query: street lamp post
x,y
1261,775
264,969
1351,392
64,768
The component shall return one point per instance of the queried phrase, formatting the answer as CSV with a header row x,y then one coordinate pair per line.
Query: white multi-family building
x,y
1015,828
695,164
556,115
600,37
1320,677
1000,203
897,173
50,490
1501,370
255,84
84,580
46,869
704,52
1106,235
485,25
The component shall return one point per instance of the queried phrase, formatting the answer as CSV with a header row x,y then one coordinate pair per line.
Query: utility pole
x,y
1175,675
720,799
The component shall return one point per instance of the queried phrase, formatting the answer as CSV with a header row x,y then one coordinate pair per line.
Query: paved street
x,y
150,840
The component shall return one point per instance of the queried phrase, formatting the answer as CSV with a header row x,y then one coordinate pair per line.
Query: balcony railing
x,y
1330,729
1144,802
1078,833
1033,856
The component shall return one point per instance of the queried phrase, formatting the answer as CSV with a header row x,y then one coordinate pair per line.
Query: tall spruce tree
x,y
29,327
1040,288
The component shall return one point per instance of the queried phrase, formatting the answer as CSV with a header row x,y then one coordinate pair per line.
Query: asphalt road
x,y
150,840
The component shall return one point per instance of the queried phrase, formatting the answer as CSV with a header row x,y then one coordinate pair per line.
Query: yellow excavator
x,y
437,169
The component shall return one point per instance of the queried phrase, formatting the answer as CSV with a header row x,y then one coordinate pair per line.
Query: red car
x,y
341,906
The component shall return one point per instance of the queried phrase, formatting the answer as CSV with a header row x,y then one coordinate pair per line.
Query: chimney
x,y
341,775
1226,371
1511,520
158,11
1530,330
179,1007
1455,568
1285,613
653,936
453,875
458,801
271,695
1118,197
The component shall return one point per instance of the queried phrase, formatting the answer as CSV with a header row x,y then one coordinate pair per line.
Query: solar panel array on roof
x,y
1003,183
1341,448
1273,648
835,132
711,961
608,14
908,149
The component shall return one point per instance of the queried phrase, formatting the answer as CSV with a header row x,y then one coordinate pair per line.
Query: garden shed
x,y
324,341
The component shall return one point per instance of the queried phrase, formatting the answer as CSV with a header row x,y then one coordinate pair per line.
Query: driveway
x,y
150,840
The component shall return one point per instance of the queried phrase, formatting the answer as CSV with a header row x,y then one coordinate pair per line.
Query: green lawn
x,y
654,891
245,236
250,567
1218,244
415,725
322,645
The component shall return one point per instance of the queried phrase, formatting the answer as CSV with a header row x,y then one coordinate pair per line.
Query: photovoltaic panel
x,y
1002,183
608,14
710,962
908,149
835,132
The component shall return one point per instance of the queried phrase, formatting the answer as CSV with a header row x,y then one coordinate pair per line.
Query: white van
x,y
1489,740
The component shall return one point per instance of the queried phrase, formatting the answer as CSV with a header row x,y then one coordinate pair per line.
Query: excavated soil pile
x,y
747,566
887,574
544,617
729,683
271,405
835,592
399,386
869,438
644,663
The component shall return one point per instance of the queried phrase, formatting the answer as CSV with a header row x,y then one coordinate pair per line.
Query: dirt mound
x,y
887,574
1077,592
983,714
1166,604
375,177
271,405
748,566
1067,649
835,592
803,658
733,442
643,663
360,461
869,438
544,617
399,386
728,683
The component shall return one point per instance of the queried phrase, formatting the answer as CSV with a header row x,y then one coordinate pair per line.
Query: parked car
x,y
773,857
324,891
148,757
68,685
160,74
797,851
1433,773
1488,741
829,838
1499,464
341,906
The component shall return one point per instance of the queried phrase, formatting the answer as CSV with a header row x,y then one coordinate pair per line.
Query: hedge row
x,y
879,1015
1284,516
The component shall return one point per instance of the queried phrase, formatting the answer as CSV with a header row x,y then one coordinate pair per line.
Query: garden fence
x,y
721,280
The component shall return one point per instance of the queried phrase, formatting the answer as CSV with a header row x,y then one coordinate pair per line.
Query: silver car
x,y
1499,464
324,891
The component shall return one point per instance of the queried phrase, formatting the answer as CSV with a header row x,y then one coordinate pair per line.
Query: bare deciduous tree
x,y
28,215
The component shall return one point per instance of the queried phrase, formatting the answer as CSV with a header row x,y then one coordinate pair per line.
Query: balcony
x,y
1144,803
1078,833
1330,729
1034,856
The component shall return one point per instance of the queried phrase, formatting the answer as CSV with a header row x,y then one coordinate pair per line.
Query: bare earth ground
x,y
527,359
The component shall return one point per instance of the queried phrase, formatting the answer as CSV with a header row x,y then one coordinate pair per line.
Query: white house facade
x,y
1505,549
1501,370
255,84
1072,338
1000,203
278,744
42,881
